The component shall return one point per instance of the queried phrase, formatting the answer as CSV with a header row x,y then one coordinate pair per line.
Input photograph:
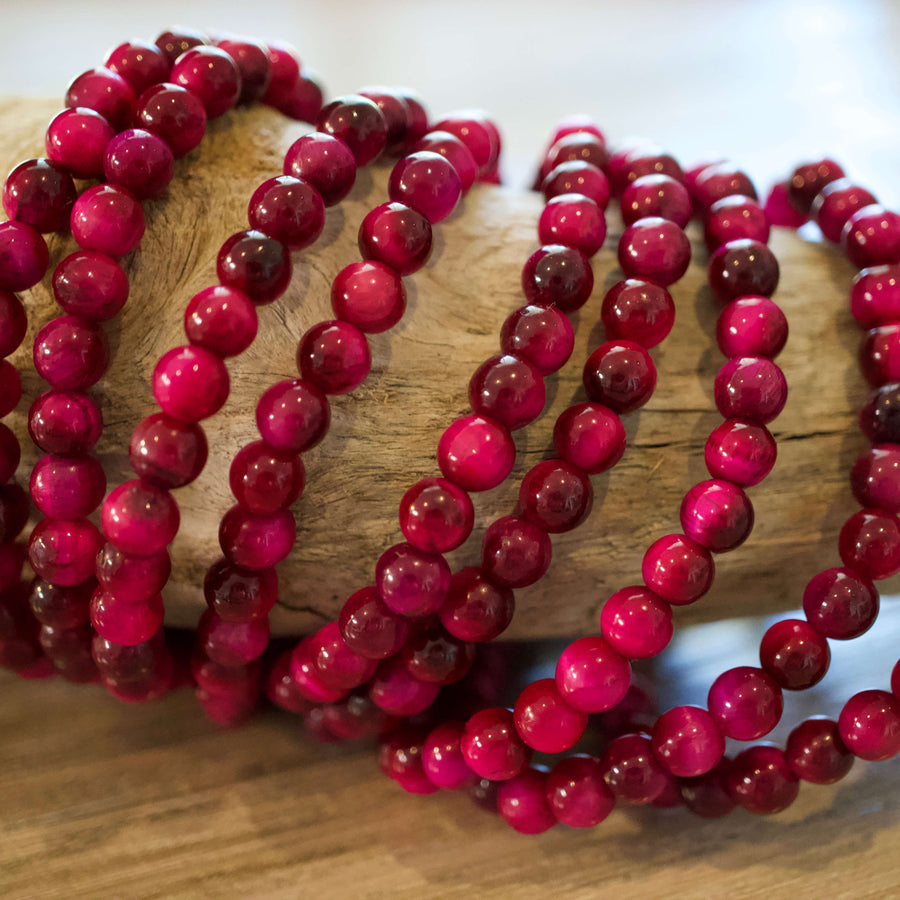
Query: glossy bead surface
x,y
555,495
76,141
125,623
39,193
288,210
589,436
476,453
293,415
741,268
541,335
659,196
175,114
222,320
370,295
61,551
591,676
752,388
678,569
140,161
396,235
509,390
254,541
879,417
761,780
871,237
265,480
190,383
23,256
476,609
64,422
835,203
577,177
67,487
428,183
816,753
139,518
239,595
398,692
735,218
108,219
879,355
477,132
70,352
631,771
745,702
132,578
334,356
255,264
369,628
91,285
795,654
515,553
166,452
252,60
655,249
106,93
687,742
324,162
13,323
869,542
436,515
400,758
638,311
556,275
740,451
545,721
717,514
751,326
636,162
410,581
722,179
636,622
577,794
336,664
211,75
620,375
358,122
875,296
875,478
779,210
139,63
522,802
442,757
840,603
808,180
573,220
492,747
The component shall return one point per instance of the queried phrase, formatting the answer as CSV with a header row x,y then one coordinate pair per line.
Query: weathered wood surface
x,y
384,436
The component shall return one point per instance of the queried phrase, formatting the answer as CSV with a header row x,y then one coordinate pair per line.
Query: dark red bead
x,y
717,514
795,654
871,237
232,643
454,151
573,220
140,161
400,758
631,771
707,795
816,753
71,352
508,389
293,415
433,655
869,725
252,60
577,794
559,276
735,218
265,480
580,146
476,609
61,607
175,114
334,356
39,193
639,311
369,628
399,693
687,741
256,264
104,92
396,235
370,295
752,388
132,578
835,203
591,676
808,180
222,320
879,418
589,436
840,603
428,183
10,387
761,780
396,113
655,249
577,177
436,516
745,702
620,375
324,162
210,74
174,43
139,63
779,210
659,196
284,65
515,553
109,219
304,100
522,802
678,569
741,268
288,210
90,284
478,134
125,623
875,478
879,355
443,759
335,663
542,335
190,383
13,323
76,141
10,454
751,326
60,551
869,542
476,453
358,122
239,595
741,452
412,582
556,496
257,541
67,487
139,518
720,180
166,452
545,721
642,160
24,256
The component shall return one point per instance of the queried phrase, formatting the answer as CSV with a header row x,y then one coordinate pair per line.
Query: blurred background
x,y
765,82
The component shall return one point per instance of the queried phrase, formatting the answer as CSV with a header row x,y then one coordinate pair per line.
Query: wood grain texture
x,y
383,437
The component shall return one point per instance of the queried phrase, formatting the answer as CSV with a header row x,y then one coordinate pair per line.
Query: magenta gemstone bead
x,y
761,780
109,219
39,193
545,721
879,418
400,758
410,581
436,515
13,323
288,210
875,296
76,141
62,551
720,180
633,162
591,676
522,802
370,295
741,268
264,479
655,249
369,628
24,256
687,742
454,151
132,578
396,235
434,655
293,415
636,622
61,607
239,595
442,757
257,541
105,92
557,275
577,794
358,122
509,390
65,422
167,452
541,335
638,311
717,514
735,218
869,543
210,74
90,284
399,693
656,196
779,210
573,220
491,746
67,487
577,177
875,478
620,375
175,114
426,182
126,623
255,264
336,664
795,654
752,388
808,180
324,162
840,603
139,518
879,355
741,452
835,203
254,65
476,609
478,133
751,326
190,383
589,436
745,702
816,753
476,453
631,771
232,643
139,63
140,161
515,553
678,569
281,689
304,102
555,495
71,352
222,320
396,113
581,146
871,237
334,356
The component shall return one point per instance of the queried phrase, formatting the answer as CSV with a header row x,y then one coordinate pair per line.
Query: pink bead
x,y
23,256
577,794
816,753
687,742
166,452
794,654
871,237
232,643
869,542
238,595
265,480
761,780
190,383
10,387
358,122
720,180
875,478
752,388
477,133
324,162
638,311
751,326
175,114
515,553
779,210
10,454
428,183
879,355
104,92
808,180
13,323
399,693
289,210
636,623
436,516
875,296
109,219
678,569
139,518
64,422
620,375
132,579
741,452
631,771
140,161
126,623
491,746
410,581
370,295
508,389
61,607
255,264
717,514
76,141
442,757
222,320
334,356
397,236
557,275
589,436
556,496
67,487
139,63
253,63
281,690
835,203
735,218
369,628
40,194
577,177
293,415
306,677
741,268
545,721
62,551
257,542
591,676
655,249
210,74
522,802
476,609
70,352
745,702
454,151
840,603
476,453
541,335
91,285
658,196
573,220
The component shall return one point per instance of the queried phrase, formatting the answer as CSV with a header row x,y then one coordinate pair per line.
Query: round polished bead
x,y
631,771
442,757
210,74
741,268
293,415
835,203
76,141
761,780
140,161
65,422
175,114
109,219
751,326
222,320
256,542
869,543
779,210
139,63
399,693
396,235
232,643
281,689
358,122
412,582
636,622
875,296
707,795
396,113
879,355
61,607
167,452
71,352
190,383
879,418
717,514
426,182
132,578
67,487
492,747
658,196
745,702
620,375
509,390
573,220
369,628
264,479
541,335
139,518
522,802
126,623
324,162
23,256
816,753
720,180
436,515
591,676
477,132
476,453
370,295
639,162
875,478
476,609
555,495
10,387
735,218
589,436
454,151
687,742
91,285
252,60
556,275
336,664
740,451
580,146
577,793
515,553
288,210
255,264
239,595
795,654
655,249
678,569
807,181
871,237
577,177
752,388
334,356
545,721
284,66
13,323
400,758
61,551
432,654
105,92
10,454
638,311
39,193
305,98
840,603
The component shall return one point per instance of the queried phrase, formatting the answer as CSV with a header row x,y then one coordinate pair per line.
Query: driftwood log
x,y
383,437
